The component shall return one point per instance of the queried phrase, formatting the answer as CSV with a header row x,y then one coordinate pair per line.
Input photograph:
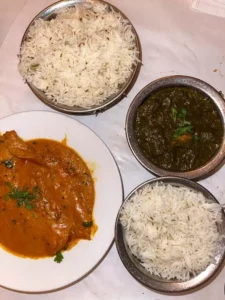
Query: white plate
x,y
44,274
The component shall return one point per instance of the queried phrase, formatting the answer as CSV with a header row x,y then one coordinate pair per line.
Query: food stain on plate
x,y
65,140
92,166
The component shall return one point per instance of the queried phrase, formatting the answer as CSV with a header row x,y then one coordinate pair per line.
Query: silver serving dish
x,y
49,13
206,170
157,283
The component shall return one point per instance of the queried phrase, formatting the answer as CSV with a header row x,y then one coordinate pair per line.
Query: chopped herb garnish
x,y
184,126
36,189
8,164
34,67
35,215
196,138
71,167
183,113
184,123
174,113
27,204
87,224
23,197
14,222
59,257
180,131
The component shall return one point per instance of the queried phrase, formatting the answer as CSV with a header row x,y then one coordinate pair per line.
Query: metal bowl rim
x,y
106,104
169,288
176,80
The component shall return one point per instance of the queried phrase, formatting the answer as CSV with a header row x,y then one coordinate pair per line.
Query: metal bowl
x,y
157,283
49,13
204,171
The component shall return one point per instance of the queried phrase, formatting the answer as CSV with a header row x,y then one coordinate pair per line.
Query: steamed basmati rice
x,y
82,56
172,230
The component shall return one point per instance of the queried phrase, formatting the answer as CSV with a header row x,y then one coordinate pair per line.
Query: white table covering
x,y
175,40
213,7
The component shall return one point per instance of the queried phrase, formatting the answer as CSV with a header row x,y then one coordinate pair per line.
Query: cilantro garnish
x,y
87,224
58,257
181,130
174,113
183,126
23,197
183,113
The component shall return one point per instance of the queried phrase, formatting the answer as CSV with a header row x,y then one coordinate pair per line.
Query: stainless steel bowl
x,y
49,13
157,283
204,171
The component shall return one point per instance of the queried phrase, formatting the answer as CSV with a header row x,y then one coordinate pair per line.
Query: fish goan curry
x,y
46,197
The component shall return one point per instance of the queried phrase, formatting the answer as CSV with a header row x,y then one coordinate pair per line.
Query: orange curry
x,y
46,197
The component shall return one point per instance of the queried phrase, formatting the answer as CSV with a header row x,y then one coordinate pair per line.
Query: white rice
x,y
81,57
172,230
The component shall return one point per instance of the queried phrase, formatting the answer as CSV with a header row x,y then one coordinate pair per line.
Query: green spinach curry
x,y
178,128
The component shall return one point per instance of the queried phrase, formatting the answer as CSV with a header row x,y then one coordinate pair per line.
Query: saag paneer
x,y
178,128
46,197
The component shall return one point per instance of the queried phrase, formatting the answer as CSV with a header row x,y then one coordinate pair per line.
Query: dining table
x,y
175,40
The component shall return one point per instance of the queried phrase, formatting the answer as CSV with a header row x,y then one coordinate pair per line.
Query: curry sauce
x,y
46,197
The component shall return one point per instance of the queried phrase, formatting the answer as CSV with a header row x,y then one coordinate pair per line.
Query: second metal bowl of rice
x,y
170,235
80,57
